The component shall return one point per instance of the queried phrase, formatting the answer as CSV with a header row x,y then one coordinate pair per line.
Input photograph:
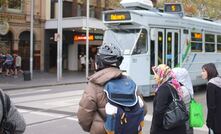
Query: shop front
x,y
74,43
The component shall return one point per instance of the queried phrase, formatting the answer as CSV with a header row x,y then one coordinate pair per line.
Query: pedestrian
x,y
17,65
213,97
184,79
82,61
167,84
12,122
9,64
91,113
1,62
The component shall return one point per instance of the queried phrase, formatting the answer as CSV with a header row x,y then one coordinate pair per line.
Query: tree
x,y
198,8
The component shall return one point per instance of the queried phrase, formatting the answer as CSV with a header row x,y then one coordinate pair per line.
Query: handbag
x,y
196,114
176,113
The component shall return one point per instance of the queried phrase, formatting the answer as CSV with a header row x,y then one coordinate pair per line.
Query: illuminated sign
x,y
82,37
98,37
197,35
174,7
117,16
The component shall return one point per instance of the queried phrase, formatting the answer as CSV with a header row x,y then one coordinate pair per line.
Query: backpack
x,y
124,110
6,127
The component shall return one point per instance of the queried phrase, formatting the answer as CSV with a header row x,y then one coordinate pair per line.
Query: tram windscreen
x,y
124,38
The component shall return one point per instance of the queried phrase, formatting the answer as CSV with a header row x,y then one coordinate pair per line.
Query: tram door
x,y
172,48
157,47
164,48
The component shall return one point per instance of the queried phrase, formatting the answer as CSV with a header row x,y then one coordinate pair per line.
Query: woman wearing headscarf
x,y
184,79
166,82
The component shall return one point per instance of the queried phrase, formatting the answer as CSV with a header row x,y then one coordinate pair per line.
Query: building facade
x,y
15,30
74,24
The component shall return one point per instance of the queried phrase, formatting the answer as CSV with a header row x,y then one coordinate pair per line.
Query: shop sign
x,y
91,37
83,37
98,37
4,27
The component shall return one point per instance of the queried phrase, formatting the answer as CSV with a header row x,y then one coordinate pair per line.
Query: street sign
x,y
56,37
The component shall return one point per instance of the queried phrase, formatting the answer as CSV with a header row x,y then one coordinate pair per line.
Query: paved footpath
x,y
41,79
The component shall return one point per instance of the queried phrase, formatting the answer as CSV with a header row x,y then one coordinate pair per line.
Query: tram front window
x,y
124,38
141,45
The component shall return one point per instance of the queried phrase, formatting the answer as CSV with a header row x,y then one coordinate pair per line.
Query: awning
x,y
75,22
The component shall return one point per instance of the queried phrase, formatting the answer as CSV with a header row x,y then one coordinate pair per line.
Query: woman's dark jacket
x,y
214,104
161,101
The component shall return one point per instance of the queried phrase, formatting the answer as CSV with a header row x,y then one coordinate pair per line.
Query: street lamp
x,y
87,39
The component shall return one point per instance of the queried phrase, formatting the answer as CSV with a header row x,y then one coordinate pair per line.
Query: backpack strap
x,y
6,103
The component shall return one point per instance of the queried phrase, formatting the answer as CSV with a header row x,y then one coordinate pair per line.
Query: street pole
x,y
59,42
31,39
87,39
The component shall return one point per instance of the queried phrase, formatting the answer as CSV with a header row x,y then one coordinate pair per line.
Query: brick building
x,y
15,29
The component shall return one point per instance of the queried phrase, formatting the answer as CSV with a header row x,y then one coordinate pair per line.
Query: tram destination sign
x,y
117,16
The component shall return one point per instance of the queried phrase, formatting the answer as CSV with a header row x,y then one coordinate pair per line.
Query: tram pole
x,y
87,40
59,40
31,39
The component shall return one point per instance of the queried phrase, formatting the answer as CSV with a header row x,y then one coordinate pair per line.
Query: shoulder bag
x,y
176,113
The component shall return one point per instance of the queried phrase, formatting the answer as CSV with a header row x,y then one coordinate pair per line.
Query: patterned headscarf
x,y
165,73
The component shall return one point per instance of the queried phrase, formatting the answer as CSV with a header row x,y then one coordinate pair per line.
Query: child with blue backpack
x,y
110,104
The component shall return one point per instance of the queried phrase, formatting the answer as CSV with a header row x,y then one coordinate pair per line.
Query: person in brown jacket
x,y
91,113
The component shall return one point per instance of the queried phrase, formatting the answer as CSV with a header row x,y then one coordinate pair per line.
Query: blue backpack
x,y
124,112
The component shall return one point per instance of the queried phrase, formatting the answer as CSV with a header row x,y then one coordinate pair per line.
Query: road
x,y
52,110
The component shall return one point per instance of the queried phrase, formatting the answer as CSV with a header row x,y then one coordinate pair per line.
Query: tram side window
x,y
152,55
169,55
196,42
141,46
209,43
160,48
219,43
176,49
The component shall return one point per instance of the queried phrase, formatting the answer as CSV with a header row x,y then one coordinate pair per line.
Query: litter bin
x,y
27,75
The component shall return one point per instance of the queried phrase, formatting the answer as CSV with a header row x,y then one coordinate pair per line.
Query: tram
x,y
149,37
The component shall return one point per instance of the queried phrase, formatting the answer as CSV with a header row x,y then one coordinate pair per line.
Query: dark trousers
x,y
82,67
212,132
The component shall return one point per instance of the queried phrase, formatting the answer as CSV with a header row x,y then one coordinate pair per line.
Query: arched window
x,y
15,5
1,3
6,43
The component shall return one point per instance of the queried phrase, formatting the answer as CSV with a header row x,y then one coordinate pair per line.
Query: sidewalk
x,y
41,79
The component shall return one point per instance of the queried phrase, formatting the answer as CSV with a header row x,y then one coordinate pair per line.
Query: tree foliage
x,y
200,8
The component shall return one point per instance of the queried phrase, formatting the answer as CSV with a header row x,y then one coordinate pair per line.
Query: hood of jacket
x,y
216,81
102,76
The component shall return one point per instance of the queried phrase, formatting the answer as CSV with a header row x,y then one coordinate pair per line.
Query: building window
x,y
67,9
92,12
79,12
219,43
196,42
14,5
209,43
1,4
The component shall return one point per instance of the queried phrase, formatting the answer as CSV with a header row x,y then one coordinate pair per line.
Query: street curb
x,y
46,85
